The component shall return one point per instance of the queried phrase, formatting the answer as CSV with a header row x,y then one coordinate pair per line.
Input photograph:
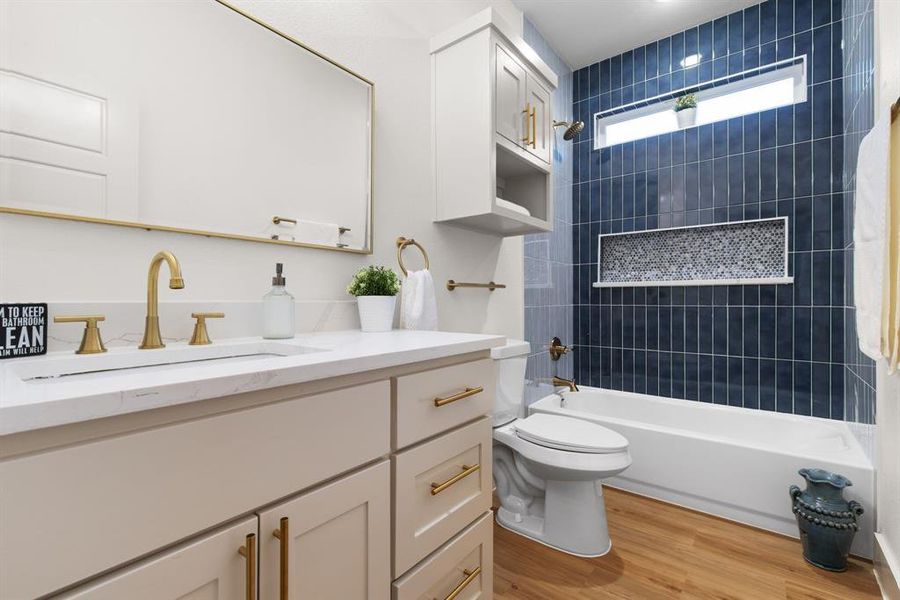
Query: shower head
x,y
572,129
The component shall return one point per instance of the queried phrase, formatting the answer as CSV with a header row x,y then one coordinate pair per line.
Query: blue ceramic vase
x,y
827,522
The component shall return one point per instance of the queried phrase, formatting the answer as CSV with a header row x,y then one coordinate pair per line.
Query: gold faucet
x,y
152,338
569,383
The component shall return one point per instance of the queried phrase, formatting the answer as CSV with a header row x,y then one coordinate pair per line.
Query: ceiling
x,y
585,31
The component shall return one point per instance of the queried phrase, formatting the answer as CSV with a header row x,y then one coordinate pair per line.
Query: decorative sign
x,y
23,330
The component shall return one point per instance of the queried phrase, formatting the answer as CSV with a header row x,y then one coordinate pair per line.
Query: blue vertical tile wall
x,y
779,348
548,256
858,65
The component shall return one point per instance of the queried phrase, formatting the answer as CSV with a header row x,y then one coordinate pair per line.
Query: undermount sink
x,y
131,360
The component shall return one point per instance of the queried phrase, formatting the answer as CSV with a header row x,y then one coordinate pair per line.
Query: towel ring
x,y
402,243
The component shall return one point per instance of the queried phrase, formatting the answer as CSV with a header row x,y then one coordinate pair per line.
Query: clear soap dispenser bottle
x,y
278,309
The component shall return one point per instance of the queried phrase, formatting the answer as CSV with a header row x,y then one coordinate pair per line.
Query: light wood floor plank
x,y
664,552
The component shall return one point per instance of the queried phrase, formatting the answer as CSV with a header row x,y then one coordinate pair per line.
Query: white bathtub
x,y
731,462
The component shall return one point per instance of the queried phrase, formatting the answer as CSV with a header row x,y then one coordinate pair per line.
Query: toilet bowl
x,y
548,468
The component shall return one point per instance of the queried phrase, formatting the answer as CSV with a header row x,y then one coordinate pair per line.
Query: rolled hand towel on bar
x,y
323,234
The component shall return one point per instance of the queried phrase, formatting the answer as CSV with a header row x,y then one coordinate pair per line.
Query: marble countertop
x,y
29,403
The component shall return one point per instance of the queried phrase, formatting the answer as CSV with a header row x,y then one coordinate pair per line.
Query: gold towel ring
x,y
402,243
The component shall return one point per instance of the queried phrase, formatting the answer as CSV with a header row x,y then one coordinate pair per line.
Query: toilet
x,y
548,468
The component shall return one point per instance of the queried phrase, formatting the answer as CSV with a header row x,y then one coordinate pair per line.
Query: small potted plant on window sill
x,y
376,289
686,110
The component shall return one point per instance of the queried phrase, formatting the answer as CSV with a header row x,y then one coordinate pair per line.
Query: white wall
x,y
887,36
386,41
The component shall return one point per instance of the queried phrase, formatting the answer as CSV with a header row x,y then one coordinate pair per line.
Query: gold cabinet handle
x,y
248,551
200,337
527,133
437,488
470,577
533,127
90,341
283,533
469,391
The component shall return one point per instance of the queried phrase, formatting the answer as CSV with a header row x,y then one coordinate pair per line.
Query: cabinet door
x,y
213,567
332,543
538,101
510,95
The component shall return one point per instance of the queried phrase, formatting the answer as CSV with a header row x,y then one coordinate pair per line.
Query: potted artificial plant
x,y
376,291
686,110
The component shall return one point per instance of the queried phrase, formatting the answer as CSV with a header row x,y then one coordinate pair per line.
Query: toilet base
x,y
571,517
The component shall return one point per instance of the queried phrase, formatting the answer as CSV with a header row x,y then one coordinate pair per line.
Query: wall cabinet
x,y
492,129
333,543
209,568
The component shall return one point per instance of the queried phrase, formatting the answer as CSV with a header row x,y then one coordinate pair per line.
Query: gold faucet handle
x,y
558,349
90,341
200,337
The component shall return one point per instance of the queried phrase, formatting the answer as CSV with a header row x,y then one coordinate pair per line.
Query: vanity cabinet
x,y
345,486
333,543
492,129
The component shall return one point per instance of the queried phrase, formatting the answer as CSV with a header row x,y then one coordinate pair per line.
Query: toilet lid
x,y
567,433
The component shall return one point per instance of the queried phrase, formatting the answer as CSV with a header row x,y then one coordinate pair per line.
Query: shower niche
x,y
492,129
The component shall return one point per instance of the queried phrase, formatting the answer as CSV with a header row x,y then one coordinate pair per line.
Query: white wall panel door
x,y
510,82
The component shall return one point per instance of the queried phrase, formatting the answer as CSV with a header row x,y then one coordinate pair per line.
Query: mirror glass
x,y
187,116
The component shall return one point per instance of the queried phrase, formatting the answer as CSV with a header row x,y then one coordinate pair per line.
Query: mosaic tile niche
x,y
748,252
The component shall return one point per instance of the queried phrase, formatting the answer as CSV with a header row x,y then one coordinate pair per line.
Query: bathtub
x,y
734,463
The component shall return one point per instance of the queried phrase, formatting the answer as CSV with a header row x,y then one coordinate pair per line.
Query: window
x,y
755,90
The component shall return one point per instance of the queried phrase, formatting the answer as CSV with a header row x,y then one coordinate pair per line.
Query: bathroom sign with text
x,y
23,330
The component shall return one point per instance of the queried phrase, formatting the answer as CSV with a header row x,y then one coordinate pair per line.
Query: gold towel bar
x,y
452,285
402,243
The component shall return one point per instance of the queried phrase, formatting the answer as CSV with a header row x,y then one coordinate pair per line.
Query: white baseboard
x,y
888,575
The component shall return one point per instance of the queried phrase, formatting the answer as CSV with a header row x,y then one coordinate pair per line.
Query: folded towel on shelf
x,y
870,236
513,207
418,304
311,232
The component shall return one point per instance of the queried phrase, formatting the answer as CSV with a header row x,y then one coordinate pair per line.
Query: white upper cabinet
x,y
492,129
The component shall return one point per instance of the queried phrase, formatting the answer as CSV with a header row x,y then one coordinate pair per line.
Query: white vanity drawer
x,y
99,504
464,565
439,487
440,399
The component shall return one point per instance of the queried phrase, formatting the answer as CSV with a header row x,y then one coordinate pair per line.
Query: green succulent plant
x,y
374,280
685,102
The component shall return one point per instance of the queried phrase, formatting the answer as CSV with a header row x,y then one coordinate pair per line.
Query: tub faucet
x,y
569,383
152,338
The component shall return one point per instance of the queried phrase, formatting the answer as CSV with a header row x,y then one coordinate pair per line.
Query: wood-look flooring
x,y
662,551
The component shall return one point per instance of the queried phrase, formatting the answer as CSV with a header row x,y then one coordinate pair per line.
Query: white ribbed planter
x,y
376,313
686,118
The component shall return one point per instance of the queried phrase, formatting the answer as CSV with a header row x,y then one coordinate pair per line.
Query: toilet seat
x,y
569,434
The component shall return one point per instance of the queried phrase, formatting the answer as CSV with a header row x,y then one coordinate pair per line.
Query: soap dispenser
x,y
278,309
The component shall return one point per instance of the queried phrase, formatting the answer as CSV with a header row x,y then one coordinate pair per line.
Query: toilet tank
x,y
509,403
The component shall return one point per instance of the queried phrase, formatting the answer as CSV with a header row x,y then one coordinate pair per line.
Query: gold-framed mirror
x,y
191,117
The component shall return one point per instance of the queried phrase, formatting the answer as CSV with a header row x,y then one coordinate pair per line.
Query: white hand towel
x,y
870,235
418,304
311,232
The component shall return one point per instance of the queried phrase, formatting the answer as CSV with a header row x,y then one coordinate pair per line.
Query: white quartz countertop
x,y
29,402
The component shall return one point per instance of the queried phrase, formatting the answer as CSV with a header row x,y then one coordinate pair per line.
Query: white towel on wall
x,y
870,235
418,303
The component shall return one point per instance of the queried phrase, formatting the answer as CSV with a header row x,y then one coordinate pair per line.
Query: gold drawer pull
x,y
248,551
437,488
284,537
470,391
470,577
527,123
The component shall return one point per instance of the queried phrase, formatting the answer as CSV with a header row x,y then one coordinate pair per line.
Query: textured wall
x,y
771,347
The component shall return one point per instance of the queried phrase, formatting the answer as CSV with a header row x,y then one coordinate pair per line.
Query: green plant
x,y
685,102
374,281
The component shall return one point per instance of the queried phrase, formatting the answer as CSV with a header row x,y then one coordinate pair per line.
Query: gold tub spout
x,y
569,383
152,338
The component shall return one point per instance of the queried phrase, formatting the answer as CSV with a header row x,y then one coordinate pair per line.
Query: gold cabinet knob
x,y
90,341
200,337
